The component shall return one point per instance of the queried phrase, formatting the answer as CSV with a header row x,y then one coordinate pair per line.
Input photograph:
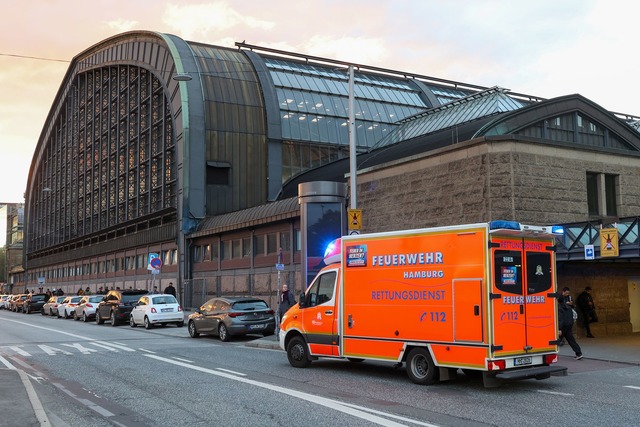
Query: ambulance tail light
x,y
497,365
550,358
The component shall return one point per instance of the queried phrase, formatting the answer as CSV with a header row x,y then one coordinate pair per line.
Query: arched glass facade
x,y
110,158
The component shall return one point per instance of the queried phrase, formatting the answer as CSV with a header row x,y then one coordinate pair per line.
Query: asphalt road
x,y
90,375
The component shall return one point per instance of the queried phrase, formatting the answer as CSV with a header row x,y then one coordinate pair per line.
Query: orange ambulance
x,y
478,297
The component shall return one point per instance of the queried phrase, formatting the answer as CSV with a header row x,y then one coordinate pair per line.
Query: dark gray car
x,y
228,316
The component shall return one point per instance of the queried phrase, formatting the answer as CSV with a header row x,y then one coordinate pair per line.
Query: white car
x,y
86,308
156,309
68,305
4,301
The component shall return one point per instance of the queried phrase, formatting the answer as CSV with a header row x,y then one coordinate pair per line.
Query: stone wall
x,y
485,180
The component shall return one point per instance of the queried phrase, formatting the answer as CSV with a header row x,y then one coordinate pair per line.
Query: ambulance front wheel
x,y
298,353
420,367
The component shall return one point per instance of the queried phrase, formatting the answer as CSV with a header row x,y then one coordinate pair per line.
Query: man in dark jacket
x,y
565,321
587,310
170,289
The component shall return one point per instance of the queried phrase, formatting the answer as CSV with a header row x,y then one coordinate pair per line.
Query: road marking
x,y
557,393
97,344
232,372
397,417
633,387
86,402
82,349
147,351
20,351
322,401
49,329
183,360
52,351
33,398
120,347
6,363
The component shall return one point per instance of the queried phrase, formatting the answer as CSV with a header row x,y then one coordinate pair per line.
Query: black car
x,y
117,305
34,302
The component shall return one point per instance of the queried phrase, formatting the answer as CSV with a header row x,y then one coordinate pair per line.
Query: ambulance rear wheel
x,y
298,353
420,367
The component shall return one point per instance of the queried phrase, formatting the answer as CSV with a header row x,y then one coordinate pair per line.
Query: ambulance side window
x,y
508,271
321,290
539,274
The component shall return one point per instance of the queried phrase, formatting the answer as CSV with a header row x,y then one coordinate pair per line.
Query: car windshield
x,y
165,299
75,300
250,305
97,298
38,298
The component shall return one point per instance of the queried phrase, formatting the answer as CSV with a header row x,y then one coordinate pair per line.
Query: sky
x,y
545,48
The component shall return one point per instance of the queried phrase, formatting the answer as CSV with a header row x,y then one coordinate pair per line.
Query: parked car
x,y
34,302
68,305
117,305
86,308
51,306
4,301
226,317
156,309
17,302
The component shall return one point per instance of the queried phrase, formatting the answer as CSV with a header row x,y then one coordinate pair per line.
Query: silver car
x,y
228,316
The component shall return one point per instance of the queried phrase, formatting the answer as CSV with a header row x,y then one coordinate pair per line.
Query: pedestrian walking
x,y
587,310
287,300
565,321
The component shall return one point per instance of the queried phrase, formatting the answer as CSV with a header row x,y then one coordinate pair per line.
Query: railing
x,y
570,245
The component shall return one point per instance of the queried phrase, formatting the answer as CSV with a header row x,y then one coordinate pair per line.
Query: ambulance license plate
x,y
519,361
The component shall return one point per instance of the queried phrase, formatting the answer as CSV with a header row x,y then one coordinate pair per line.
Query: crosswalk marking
x,y
104,346
118,346
20,351
52,351
82,349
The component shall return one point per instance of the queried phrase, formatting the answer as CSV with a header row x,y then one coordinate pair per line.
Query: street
x,y
91,375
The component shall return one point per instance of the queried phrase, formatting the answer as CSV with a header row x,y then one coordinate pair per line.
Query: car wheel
x,y
298,353
193,332
147,324
223,333
66,314
420,367
85,318
26,310
50,312
132,322
99,320
112,317
75,316
180,324
42,312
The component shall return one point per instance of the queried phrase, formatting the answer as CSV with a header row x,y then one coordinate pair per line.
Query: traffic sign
x,y
152,256
589,252
156,263
355,219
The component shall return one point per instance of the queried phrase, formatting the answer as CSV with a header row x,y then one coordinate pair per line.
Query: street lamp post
x,y
352,139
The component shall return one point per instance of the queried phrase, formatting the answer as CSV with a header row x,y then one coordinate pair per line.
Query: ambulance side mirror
x,y
301,303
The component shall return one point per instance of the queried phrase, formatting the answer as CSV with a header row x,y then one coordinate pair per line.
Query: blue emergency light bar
x,y
504,225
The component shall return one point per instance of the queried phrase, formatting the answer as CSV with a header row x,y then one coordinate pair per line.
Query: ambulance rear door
x,y
523,306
